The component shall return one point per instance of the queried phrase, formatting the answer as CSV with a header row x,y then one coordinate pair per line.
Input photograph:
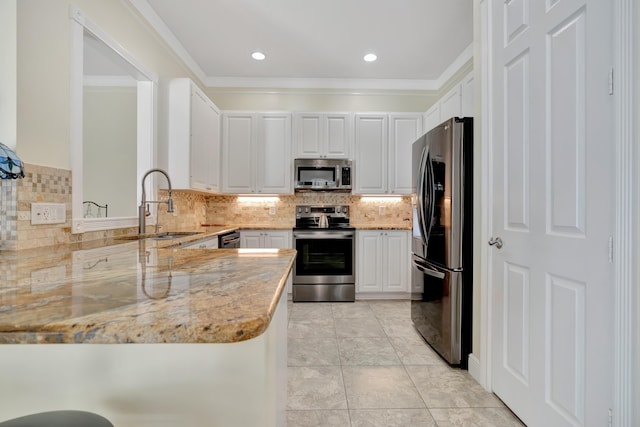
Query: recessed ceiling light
x,y
370,57
258,56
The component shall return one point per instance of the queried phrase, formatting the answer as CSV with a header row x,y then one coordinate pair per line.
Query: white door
x,y
552,182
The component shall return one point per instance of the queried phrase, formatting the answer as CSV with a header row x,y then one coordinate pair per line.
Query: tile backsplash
x,y
45,184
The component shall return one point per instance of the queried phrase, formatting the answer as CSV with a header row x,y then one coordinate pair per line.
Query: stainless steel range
x,y
325,265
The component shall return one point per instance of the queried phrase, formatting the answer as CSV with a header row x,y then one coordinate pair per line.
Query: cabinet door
x,y
274,154
450,104
205,143
466,96
278,239
395,262
337,136
308,134
250,239
432,117
369,277
371,146
238,167
404,129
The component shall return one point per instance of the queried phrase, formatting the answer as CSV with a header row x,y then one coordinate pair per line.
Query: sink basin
x,y
160,236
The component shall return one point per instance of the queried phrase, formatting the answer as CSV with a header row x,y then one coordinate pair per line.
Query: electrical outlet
x,y
24,215
382,210
272,210
48,213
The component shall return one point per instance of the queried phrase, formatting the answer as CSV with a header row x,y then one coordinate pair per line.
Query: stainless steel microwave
x,y
322,175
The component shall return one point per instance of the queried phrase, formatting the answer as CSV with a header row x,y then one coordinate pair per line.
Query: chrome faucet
x,y
143,209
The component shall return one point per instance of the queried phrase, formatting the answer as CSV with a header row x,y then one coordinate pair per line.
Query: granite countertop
x,y
145,291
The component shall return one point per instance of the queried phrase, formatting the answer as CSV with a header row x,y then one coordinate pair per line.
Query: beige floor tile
x,y
391,418
358,327
313,351
414,351
475,417
367,351
318,327
373,387
318,387
318,418
310,310
385,309
358,309
443,387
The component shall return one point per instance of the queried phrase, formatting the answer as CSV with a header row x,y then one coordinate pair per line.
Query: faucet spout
x,y
142,209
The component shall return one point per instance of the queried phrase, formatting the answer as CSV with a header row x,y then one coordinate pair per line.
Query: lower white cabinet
x,y
209,243
383,264
278,239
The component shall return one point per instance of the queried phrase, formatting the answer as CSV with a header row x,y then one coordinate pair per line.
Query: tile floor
x,y
363,364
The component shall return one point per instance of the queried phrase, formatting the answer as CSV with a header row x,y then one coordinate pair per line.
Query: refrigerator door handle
x,y
420,193
432,195
429,271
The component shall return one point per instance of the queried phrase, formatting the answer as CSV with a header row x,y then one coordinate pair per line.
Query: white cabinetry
x,y
466,96
194,138
383,264
278,239
458,102
256,153
208,243
383,152
322,135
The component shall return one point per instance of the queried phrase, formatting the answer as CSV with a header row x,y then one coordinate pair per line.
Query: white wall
x,y
43,68
321,100
8,10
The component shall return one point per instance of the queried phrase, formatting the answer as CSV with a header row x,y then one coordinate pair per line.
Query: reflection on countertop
x,y
145,291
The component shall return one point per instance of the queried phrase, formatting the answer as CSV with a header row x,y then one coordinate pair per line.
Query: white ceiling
x,y
317,43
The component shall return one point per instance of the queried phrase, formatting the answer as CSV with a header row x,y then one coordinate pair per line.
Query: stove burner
x,y
309,217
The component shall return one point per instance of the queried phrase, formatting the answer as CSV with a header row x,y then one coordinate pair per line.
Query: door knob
x,y
497,242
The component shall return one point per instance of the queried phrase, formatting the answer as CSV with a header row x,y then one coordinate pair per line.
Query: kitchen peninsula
x,y
146,333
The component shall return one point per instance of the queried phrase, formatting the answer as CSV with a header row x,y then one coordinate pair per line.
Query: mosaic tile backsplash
x,y
45,184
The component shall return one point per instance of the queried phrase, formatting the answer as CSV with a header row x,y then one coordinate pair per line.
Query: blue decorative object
x,y
11,167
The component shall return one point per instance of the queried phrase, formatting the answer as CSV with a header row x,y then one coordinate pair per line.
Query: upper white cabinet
x,y
322,135
458,102
404,129
451,104
432,117
256,153
466,96
194,138
371,145
383,152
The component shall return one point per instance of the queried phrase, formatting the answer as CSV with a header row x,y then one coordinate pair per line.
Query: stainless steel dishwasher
x,y
229,240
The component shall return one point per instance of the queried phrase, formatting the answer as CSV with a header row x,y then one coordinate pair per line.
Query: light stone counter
x,y
66,312
142,292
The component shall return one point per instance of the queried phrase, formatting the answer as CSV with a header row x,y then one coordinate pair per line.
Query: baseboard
x,y
474,369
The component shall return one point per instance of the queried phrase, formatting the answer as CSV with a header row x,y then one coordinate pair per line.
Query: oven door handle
x,y
323,235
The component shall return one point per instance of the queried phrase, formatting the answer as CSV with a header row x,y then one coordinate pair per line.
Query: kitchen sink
x,y
160,236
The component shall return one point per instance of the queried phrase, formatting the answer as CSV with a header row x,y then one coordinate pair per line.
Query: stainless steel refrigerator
x,y
442,272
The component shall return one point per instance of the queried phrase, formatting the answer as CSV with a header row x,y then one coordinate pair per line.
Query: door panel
x,y
552,180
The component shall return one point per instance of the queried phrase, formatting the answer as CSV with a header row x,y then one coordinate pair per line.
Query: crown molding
x,y
295,83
